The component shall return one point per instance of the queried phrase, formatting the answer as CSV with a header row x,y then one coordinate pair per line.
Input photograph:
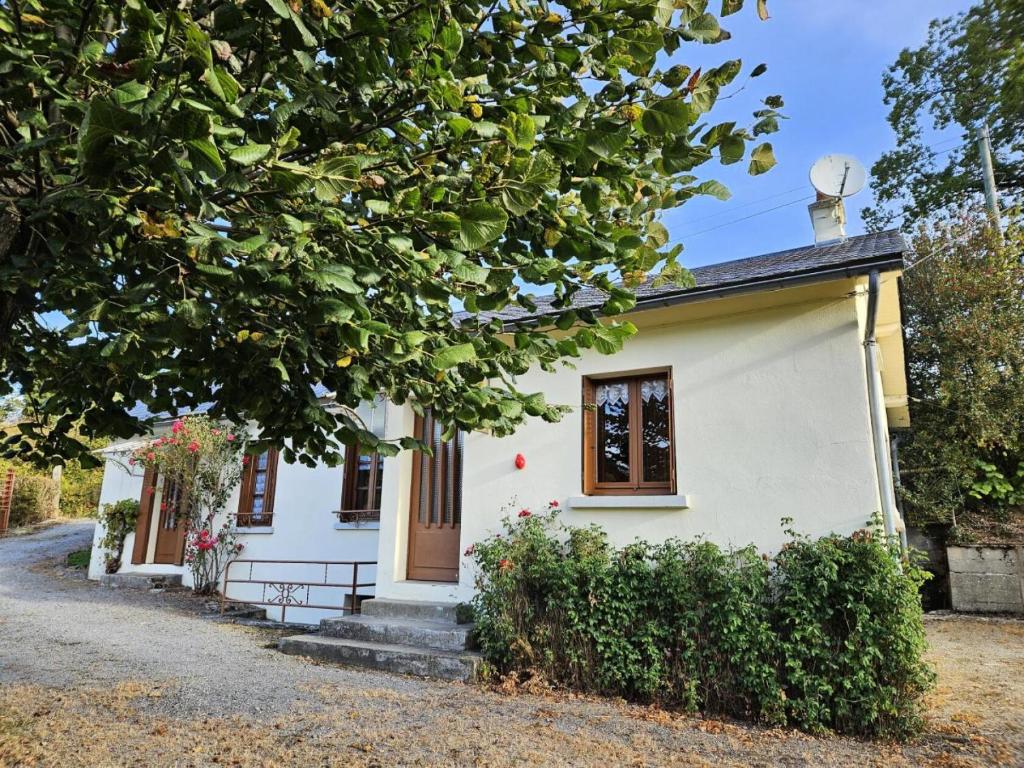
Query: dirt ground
x,y
64,703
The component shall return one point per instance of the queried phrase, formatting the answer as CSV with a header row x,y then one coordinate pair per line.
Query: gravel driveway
x,y
98,677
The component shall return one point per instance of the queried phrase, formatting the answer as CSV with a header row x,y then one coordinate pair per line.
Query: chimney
x,y
828,217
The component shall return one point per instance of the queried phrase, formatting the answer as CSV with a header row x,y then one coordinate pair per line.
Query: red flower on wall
x,y
525,513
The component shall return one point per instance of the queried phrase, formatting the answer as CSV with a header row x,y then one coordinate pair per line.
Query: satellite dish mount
x,y
834,177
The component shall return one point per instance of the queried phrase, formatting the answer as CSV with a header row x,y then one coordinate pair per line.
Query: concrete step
x,y
422,633
404,659
409,609
141,580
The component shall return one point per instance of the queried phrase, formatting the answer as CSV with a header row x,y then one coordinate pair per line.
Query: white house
x,y
764,392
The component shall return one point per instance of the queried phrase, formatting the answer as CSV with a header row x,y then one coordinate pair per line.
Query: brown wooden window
x,y
256,502
627,435
361,487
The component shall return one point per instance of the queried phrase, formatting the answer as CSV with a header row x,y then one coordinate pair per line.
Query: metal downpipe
x,y
876,406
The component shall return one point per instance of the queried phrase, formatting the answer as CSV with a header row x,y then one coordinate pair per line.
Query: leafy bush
x,y
36,496
828,635
34,499
118,520
850,636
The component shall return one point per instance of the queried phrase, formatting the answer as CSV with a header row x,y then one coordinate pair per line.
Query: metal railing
x,y
358,516
287,593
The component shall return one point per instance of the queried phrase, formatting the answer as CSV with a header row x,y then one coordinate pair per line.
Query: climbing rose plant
x,y
250,202
204,461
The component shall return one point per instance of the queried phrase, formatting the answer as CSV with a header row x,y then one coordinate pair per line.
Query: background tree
x,y
964,316
242,201
970,71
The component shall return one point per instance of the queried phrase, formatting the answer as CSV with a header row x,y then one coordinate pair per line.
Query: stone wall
x,y
987,579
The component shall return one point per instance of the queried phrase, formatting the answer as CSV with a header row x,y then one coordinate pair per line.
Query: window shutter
x,y
589,437
145,516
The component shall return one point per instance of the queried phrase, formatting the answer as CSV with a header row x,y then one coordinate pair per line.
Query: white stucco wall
x,y
304,528
771,421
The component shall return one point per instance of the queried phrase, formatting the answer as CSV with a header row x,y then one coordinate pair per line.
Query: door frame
x,y
144,533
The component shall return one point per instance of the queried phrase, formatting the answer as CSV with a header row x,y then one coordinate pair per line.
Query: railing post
x,y
355,581
224,592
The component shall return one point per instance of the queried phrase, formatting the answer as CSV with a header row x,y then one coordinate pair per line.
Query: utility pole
x,y
989,175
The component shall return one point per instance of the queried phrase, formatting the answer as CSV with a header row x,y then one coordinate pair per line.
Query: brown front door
x,y
170,534
435,509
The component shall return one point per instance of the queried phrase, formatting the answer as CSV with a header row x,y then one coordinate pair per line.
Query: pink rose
x,y
215,432
471,549
552,503
230,438
131,461
193,446
525,513
151,456
177,426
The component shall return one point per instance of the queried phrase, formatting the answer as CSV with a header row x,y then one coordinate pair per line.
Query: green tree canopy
x,y
970,71
239,201
964,318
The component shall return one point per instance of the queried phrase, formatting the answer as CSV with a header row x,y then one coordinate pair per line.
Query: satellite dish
x,y
838,175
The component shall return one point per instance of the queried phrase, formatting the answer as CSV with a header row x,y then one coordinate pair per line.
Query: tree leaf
x,y
480,224
339,277
705,28
204,156
449,357
249,154
606,144
762,159
334,177
714,189
671,116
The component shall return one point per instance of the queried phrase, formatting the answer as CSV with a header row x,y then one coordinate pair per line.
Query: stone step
x,y
403,659
422,633
409,609
141,580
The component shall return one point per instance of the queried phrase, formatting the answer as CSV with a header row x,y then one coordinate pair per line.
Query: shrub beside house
x,y
825,635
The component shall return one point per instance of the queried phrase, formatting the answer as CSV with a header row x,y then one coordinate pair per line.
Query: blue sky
x,y
826,58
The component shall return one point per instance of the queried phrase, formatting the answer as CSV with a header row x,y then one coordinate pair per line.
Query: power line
x,y
802,199
791,202
738,206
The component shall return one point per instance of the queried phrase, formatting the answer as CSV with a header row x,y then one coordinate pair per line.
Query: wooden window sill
x,y
668,501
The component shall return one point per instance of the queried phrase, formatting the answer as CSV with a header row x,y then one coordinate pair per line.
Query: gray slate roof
x,y
861,251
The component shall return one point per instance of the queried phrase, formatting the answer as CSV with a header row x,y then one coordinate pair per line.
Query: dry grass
x,y
975,720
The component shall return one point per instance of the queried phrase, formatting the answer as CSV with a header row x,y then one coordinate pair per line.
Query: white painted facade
x,y
771,421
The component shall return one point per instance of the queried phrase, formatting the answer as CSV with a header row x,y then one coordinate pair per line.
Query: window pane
x,y
655,414
262,460
612,433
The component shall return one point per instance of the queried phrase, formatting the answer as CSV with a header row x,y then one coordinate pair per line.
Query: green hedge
x,y
36,497
825,636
